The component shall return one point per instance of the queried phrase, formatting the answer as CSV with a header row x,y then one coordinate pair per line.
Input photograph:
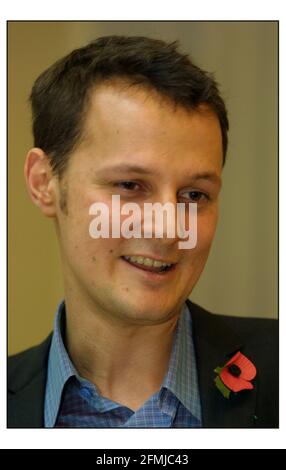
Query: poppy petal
x,y
234,358
248,369
234,383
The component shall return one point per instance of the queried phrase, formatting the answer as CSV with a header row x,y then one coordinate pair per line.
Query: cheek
x,y
92,250
206,227
195,259
74,228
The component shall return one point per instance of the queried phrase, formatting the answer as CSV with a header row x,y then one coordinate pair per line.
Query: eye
x,y
195,196
128,185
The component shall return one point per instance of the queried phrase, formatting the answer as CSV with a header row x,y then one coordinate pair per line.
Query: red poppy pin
x,y
235,375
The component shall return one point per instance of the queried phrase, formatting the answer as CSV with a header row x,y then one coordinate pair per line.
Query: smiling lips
x,y
149,264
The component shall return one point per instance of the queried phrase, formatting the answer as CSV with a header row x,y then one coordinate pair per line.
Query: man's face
x,y
179,159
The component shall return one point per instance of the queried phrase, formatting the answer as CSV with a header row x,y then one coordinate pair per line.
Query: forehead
x,y
135,122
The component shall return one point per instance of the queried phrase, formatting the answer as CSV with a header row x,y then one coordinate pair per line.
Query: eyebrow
x,y
126,167
131,168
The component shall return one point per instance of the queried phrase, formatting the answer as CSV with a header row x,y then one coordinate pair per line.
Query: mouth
x,y
150,265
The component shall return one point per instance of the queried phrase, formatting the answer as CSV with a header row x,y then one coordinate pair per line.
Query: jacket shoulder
x,y
248,329
24,366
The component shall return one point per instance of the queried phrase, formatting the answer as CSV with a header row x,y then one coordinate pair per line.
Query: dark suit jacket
x,y
216,339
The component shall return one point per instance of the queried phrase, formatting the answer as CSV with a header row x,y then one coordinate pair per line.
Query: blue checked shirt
x,y
73,402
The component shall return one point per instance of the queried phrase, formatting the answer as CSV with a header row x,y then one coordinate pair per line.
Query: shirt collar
x,y
60,369
180,379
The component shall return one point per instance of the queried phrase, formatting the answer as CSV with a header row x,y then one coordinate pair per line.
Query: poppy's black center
x,y
234,370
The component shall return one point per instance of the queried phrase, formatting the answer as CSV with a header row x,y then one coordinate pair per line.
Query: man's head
x,y
60,96
115,104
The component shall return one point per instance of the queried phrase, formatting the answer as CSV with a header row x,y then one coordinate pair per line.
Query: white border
x,y
139,438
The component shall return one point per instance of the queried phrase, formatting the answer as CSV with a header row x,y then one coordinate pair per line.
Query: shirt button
x,y
85,392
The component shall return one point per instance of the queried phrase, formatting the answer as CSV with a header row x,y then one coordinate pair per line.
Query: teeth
x,y
137,259
146,261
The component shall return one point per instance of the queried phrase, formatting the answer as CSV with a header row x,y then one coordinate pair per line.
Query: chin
x,y
149,312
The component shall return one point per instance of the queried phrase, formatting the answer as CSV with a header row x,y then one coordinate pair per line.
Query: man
x,y
132,117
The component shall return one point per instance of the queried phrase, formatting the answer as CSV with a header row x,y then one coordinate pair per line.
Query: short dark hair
x,y
59,96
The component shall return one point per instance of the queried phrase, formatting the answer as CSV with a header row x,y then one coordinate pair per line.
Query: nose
x,y
160,218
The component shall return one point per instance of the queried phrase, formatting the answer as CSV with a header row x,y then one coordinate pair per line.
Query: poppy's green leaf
x,y
222,388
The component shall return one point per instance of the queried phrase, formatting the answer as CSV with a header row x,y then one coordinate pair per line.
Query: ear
x,y
40,181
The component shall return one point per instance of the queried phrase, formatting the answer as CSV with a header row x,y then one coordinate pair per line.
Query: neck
x,y
126,361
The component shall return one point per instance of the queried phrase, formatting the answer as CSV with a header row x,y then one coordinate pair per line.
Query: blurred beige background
x,y
241,274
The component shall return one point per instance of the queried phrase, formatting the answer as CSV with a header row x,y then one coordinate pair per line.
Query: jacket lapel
x,y
215,343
